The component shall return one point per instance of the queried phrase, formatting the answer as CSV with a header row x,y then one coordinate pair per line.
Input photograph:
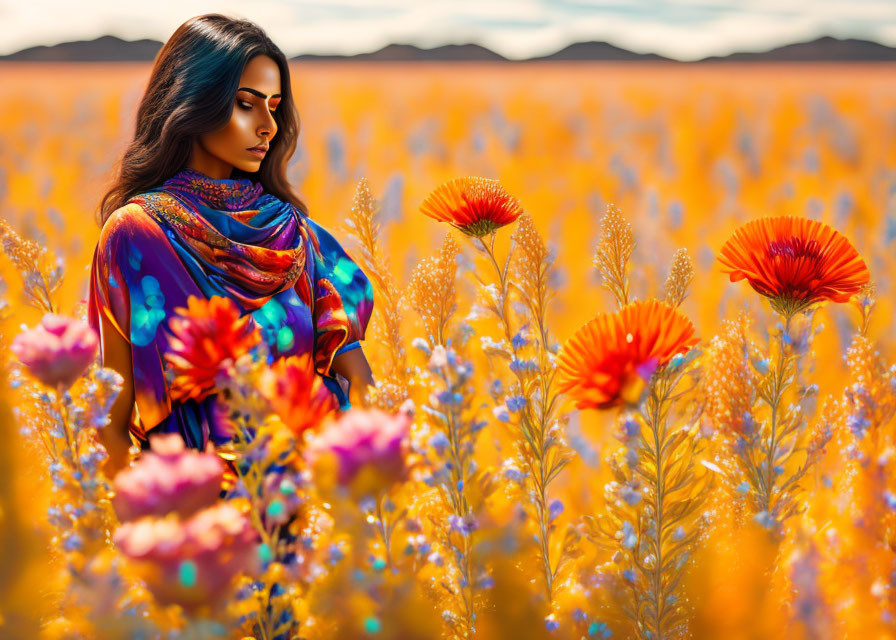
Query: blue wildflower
x,y
554,510
596,628
890,500
749,424
522,366
629,538
72,542
514,475
631,496
486,582
765,519
439,442
500,412
464,525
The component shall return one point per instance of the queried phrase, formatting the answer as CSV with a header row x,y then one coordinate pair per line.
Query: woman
x,y
202,207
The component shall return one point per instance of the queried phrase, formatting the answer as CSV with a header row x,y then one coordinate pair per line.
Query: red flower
x,y
476,206
610,360
794,261
207,335
296,393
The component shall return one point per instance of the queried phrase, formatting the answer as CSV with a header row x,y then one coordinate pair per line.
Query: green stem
x,y
459,504
655,420
384,530
70,440
538,467
776,400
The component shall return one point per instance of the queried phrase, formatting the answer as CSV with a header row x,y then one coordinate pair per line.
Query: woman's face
x,y
252,124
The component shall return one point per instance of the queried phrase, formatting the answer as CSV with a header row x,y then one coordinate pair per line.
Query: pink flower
x,y
363,440
193,562
169,478
58,350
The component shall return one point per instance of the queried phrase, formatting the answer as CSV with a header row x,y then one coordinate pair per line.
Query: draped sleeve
x,y
133,283
107,287
107,294
343,299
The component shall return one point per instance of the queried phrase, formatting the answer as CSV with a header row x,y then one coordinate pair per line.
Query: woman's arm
x,y
115,436
352,365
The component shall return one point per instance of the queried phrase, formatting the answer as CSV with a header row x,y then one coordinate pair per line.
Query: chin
x,y
249,167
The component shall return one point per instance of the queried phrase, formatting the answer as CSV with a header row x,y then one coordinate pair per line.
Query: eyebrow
x,y
257,93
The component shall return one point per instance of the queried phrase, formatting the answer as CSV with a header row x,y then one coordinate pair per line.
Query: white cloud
x,y
515,28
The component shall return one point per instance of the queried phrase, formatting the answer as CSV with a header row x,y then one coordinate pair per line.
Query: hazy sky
x,y
685,29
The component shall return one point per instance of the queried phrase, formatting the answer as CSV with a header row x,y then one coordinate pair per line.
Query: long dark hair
x,y
190,92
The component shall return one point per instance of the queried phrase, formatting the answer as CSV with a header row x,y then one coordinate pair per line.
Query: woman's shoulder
x,y
127,223
122,215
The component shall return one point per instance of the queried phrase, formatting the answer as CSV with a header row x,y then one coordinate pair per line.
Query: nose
x,y
268,127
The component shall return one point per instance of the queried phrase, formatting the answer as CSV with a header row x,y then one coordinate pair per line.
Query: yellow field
x,y
687,152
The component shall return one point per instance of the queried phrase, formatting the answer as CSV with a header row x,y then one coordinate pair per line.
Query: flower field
x,y
633,338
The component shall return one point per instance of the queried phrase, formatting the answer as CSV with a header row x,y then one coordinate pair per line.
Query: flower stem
x,y
655,418
533,433
775,397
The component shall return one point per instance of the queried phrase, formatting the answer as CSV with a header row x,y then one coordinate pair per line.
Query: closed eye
x,y
246,106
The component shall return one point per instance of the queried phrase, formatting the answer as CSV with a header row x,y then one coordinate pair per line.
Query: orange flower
x,y
477,206
296,393
207,335
794,261
610,360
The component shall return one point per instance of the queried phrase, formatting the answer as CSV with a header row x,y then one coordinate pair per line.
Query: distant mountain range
x,y
826,49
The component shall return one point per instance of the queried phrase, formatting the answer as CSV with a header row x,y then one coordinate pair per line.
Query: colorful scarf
x,y
194,235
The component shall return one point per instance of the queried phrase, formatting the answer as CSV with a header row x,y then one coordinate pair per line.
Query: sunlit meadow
x,y
588,423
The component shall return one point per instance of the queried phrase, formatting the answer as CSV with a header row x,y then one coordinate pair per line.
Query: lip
x,y
259,152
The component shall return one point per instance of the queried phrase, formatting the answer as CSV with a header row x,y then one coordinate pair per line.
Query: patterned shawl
x,y
194,235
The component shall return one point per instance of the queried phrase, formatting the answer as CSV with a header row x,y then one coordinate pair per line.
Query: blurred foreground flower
x,y
208,336
58,350
61,425
296,393
365,449
187,547
170,478
794,261
192,562
476,206
610,360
